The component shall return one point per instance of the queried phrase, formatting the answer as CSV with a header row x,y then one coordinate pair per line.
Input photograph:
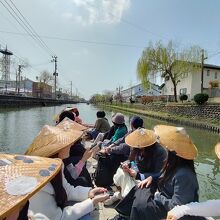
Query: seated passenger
x,y
148,160
207,208
101,125
58,200
177,184
22,171
119,151
120,129
77,117
75,170
66,114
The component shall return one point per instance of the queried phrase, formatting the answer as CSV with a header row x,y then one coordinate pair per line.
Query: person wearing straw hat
x,y
113,155
177,184
66,114
206,208
21,177
75,169
148,157
55,199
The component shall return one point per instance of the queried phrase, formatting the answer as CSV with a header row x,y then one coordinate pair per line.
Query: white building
x,y
139,90
190,83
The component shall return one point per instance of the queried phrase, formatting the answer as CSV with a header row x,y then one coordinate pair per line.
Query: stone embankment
x,y
19,101
205,116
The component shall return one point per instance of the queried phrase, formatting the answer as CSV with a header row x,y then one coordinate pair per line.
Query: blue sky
x,y
128,24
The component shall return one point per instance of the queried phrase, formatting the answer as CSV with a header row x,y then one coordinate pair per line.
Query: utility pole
x,y
54,59
202,70
19,77
71,90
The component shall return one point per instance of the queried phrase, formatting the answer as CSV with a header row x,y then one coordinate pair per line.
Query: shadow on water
x,y
18,127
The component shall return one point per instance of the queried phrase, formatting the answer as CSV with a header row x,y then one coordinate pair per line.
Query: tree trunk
x,y
174,87
175,93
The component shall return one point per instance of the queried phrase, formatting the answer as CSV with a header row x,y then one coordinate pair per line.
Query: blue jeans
x,y
85,217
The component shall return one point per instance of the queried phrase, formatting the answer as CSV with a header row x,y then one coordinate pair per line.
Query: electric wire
x,y
24,26
28,23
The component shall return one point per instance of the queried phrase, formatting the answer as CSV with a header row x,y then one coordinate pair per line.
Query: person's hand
x,y
111,145
132,173
102,151
145,183
88,153
170,216
95,191
125,167
100,198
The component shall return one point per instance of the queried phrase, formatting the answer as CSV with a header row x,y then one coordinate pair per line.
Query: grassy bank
x,y
184,120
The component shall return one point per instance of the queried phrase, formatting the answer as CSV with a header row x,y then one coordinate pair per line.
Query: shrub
x,y
201,98
146,99
214,84
183,97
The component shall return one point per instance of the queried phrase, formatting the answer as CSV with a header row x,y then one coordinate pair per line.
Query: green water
x,y
18,127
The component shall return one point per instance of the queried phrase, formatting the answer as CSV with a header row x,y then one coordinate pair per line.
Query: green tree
x,y
167,60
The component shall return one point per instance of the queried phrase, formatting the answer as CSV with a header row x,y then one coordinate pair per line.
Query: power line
x,y
27,22
27,29
79,41
214,54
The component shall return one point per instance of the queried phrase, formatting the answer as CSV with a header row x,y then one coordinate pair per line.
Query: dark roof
x,y
210,66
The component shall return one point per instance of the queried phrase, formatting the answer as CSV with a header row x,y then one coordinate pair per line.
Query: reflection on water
x,y
18,127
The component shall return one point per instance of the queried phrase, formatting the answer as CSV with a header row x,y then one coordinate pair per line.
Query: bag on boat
x,y
103,175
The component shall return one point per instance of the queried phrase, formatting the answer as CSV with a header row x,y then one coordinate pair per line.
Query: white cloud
x,y
102,11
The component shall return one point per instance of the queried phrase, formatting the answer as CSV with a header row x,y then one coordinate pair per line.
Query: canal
x,y
18,127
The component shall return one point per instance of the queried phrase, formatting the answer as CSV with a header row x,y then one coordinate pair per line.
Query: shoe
x,y
113,199
118,217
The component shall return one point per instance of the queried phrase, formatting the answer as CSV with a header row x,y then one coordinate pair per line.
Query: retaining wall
x,y
192,111
19,101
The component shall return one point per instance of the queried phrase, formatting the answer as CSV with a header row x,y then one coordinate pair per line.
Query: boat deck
x,y
101,212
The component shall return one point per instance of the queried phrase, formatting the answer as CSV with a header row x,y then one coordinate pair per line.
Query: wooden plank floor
x,y
101,212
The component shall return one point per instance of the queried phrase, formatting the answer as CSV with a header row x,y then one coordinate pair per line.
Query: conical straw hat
x,y
68,123
51,140
217,150
21,177
176,139
141,138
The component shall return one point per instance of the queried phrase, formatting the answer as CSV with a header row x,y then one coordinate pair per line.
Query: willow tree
x,y
168,61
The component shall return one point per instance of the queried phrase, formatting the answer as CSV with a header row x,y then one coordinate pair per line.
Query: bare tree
x,y
46,77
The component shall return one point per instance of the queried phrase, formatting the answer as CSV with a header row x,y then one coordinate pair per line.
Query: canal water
x,y
18,127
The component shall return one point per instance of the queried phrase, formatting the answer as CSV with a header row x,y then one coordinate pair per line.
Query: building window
x,y
183,91
216,75
208,72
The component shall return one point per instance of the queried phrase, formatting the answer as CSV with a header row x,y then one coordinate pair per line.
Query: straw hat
x,y
176,139
21,177
141,138
68,123
217,150
51,140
